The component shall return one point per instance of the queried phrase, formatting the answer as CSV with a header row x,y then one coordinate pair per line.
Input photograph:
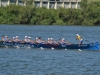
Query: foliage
x,y
88,14
93,1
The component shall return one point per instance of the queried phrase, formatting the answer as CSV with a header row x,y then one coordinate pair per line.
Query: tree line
x,y
88,14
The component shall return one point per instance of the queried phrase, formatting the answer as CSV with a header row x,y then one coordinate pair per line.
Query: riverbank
x,y
87,15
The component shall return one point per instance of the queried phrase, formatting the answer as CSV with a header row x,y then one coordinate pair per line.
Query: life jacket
x,y
79,38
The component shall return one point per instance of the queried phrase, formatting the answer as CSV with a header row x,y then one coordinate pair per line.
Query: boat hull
x,y
90,46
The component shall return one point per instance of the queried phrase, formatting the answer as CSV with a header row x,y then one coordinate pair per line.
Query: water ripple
x,y
49,62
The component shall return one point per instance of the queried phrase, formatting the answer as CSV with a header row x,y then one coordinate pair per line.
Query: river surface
x,y
50,62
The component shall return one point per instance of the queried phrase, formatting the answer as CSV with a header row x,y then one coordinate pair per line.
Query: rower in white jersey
x,y
51,41
17,39
3,38
7,39
29,40
26,39
39,40
14,39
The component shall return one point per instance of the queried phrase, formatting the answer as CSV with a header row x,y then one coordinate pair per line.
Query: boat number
x,y
63,45
8,44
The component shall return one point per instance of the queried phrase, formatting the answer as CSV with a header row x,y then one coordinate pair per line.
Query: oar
x,y
87,41
95,45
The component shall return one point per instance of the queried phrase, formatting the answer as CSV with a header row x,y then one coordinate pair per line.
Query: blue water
x,y
15,61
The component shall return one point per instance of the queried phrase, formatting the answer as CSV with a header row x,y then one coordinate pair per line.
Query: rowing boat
x,y
89,46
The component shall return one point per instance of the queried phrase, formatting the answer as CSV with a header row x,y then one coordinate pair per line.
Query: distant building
x,y
55,4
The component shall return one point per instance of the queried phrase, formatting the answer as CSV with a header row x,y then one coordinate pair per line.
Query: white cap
x,y
77,34
25,36
51,38
5,36
13,37
29,37
63,39
48,38
16,36
36,38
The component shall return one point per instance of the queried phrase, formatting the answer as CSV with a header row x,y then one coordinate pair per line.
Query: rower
x,y
39,40
36,40
29,40
7,39
26,39
49,41
3,38
62,41
14,40
78,37
52,41
17,39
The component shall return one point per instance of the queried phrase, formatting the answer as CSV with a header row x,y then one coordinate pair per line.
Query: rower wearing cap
x,y
39,40
17,39
3,38
29,40
52,41
7,39
78,37
14,39
62,41
49,41
26,39
36,39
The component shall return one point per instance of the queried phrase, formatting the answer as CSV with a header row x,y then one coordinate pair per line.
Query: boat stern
x,y
94,46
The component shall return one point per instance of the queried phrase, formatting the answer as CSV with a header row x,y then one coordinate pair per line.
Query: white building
x,y
45,3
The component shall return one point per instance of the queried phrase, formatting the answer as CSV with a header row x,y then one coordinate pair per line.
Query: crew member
x,y
17,39
26,39
78,37
3,38
29,40
14,39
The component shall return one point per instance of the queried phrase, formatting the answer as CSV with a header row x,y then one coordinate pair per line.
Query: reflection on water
x,y
49,62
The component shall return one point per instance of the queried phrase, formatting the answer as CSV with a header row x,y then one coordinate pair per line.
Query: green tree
x,y
84,4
